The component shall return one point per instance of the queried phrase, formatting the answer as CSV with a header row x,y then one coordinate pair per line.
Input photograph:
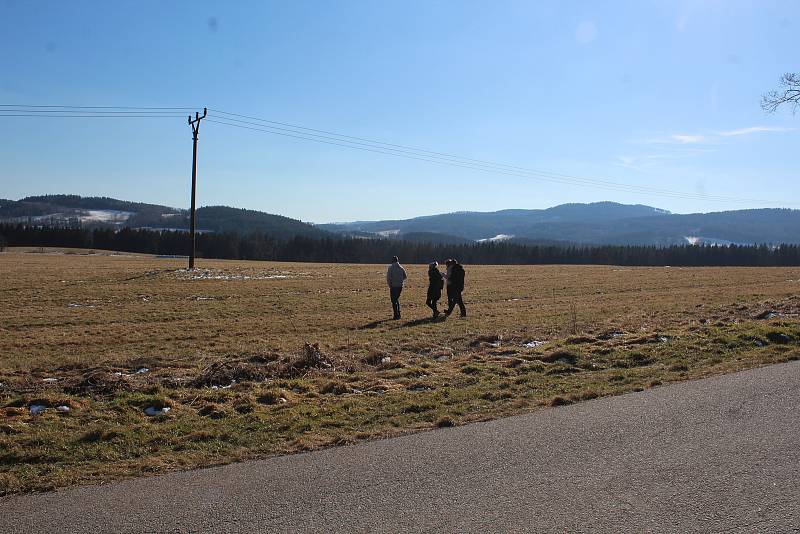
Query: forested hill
x,y
596,224
104,212
225,219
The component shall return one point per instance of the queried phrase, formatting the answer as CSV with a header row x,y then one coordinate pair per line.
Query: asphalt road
x,y
716,455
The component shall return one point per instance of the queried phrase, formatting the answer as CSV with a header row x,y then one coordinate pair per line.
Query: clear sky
x,y
648,93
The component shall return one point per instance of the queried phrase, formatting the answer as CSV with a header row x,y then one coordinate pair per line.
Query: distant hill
x,y
225,219
596,223
513,222
103,211
568,224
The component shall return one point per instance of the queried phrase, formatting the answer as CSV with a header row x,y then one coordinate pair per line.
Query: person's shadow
x,y
424,320
414,322
373,324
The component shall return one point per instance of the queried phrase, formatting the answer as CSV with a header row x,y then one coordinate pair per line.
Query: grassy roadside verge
x,y
256,405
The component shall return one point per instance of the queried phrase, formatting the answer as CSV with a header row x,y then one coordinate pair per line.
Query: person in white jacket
x,y
395,278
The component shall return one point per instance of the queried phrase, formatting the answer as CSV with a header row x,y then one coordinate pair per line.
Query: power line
x,y
357,143
484,167
461,159
387,151
562,178
93,107
89,112
116,116
85,112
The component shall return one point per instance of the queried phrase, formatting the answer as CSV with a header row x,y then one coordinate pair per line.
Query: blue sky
x,y
647,93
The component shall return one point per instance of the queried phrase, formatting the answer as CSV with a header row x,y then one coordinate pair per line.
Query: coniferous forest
x,y
260,246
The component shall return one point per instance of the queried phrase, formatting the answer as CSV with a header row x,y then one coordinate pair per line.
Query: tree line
x,y
261,246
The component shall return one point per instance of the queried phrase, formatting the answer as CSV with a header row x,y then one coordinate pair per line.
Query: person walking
x,y
455,285
435,284
395,278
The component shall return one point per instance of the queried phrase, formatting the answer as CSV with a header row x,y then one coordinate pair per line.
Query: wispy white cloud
x,y
754,129
667,149
629,162
710,138
643,162
685,139
676,139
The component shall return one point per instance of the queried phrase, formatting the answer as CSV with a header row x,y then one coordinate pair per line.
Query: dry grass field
x,y
254,359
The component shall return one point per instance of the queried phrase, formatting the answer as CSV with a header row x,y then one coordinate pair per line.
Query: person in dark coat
x,y
455,285
435,284
395,279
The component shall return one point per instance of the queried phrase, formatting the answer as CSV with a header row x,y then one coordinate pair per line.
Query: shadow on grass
x,y
394,323
425,320
374,324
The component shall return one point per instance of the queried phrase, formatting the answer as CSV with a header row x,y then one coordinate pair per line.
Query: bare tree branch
x,y
788,94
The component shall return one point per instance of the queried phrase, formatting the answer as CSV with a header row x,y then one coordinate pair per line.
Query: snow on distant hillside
x,y
498,237
700,240
387,233
106,216
85,216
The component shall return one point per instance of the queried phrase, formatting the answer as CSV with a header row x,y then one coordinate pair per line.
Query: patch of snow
x,y
498,237
36,409
711,241
152,411
63,408
106,216
387,233
210,274
49,379
533,344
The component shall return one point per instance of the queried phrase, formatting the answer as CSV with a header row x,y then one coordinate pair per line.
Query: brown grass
x,y
255,358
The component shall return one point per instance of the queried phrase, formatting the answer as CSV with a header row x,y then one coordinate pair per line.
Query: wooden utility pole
x,y
195,124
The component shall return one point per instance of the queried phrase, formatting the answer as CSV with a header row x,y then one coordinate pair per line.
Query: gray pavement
x,y
715,455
